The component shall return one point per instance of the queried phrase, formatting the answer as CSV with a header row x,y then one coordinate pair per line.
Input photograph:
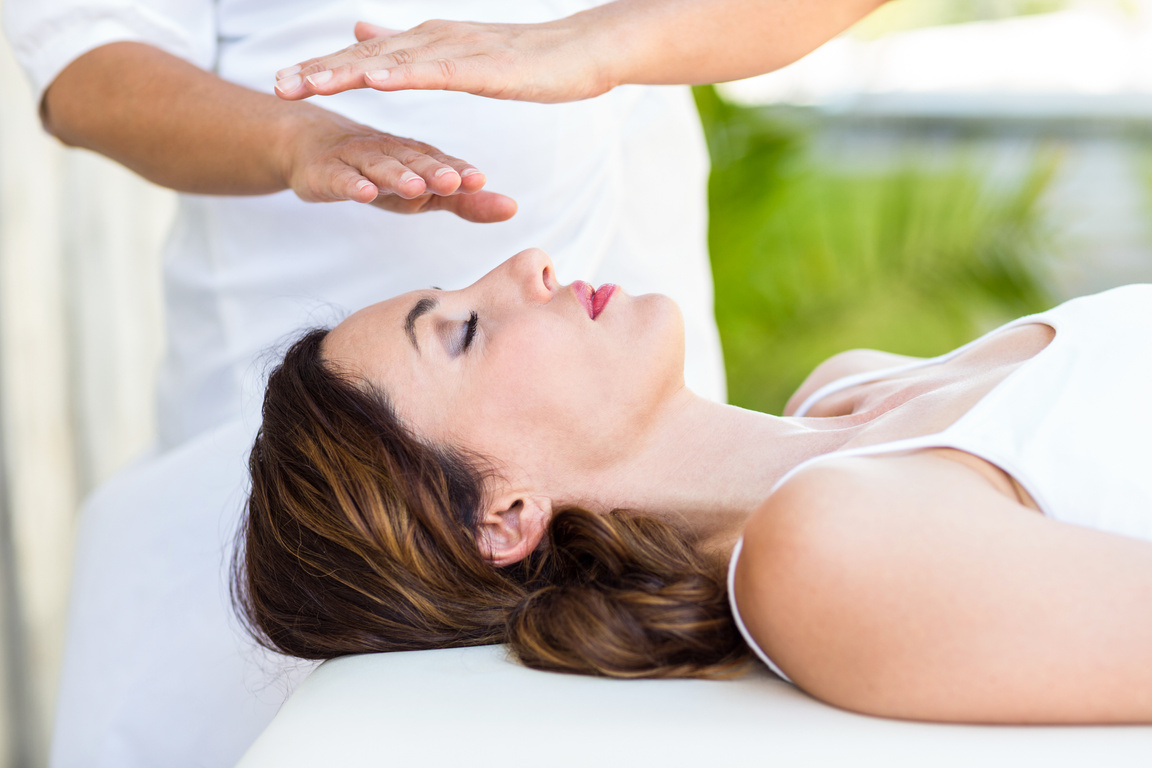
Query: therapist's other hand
x,y
332,158
528,62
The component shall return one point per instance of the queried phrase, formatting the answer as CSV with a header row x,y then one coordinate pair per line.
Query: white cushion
x,y
473,707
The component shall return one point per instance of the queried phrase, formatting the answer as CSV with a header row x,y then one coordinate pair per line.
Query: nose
x,y
533,272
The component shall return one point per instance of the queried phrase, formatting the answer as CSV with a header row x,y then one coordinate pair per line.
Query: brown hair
x,y
359,537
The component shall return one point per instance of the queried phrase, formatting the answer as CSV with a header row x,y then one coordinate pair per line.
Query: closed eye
x,y
470,333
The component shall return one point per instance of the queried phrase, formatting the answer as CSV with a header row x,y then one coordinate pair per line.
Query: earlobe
x,y
513,526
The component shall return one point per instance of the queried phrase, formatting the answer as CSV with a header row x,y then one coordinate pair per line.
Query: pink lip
x,y
600,298
593,300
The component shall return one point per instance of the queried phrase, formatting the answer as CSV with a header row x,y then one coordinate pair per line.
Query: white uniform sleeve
x,y
47,35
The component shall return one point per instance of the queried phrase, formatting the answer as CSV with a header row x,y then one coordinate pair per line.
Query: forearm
x,y
709,41
189,130
655,42
174,123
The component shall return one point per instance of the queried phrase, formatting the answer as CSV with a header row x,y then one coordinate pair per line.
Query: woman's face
x,y
552,382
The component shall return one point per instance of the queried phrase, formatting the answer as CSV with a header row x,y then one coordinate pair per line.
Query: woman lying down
x,y
966,538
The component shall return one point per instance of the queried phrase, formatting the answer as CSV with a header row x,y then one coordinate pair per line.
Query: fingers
x,y
374,165
333,158
318,77
398,72
436,55
302,80
347,183
342,70
409,173
529,62
481,208
401,69
442,74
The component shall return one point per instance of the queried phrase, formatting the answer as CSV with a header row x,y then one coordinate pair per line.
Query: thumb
x,y
479,207
366,31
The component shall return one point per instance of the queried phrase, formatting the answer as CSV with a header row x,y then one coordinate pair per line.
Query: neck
x,y
705,467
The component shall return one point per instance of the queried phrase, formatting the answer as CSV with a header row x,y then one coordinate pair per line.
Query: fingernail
x,y
408,177
442,172
320,77
364,184
377,75
288,84
288,71
468,172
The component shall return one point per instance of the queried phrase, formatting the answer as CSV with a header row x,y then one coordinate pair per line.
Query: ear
x,y
512,526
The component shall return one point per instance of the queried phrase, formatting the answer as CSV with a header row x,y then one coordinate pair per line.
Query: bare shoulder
x,y
802,549
850,363
815,508
906,585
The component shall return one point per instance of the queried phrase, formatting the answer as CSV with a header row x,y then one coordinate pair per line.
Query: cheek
x,y
569,406
422,405
545,396
534,399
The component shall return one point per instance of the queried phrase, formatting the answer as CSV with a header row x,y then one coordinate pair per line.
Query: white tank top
x,y
1072,425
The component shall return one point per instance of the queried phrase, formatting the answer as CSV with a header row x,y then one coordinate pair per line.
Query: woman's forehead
x,y
367,332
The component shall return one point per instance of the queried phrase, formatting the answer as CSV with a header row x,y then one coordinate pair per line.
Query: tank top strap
x,y
866,377
950,437
894,446
736,614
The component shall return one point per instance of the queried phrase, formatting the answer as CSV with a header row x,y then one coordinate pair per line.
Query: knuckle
x,y
402,56
418,146
344,71
473,35
447,68
386,165
341,181
405,156
367,49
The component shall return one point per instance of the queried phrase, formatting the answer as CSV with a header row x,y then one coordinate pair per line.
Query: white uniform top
x,y
156,670
613,188
1070,425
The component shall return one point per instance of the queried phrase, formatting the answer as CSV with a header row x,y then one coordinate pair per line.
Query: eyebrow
x,y
422,307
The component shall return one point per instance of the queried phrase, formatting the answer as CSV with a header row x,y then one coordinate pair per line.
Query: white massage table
x,y
157,673
472,707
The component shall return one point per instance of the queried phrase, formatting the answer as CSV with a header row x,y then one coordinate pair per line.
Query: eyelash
x,y
473,320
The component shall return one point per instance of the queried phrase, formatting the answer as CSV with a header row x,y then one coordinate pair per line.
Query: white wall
x,y
80,339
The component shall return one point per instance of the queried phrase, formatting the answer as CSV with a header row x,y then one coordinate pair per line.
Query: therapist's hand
x,y
189,130
529,62
653,42
331,158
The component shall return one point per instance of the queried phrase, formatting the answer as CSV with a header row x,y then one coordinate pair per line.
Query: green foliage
x,y
811,260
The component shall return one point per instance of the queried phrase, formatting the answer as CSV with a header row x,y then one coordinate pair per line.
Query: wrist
x,y
591,38
618,35
298,125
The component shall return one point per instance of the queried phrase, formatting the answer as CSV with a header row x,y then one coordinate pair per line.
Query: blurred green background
x,y
914,253
914,257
